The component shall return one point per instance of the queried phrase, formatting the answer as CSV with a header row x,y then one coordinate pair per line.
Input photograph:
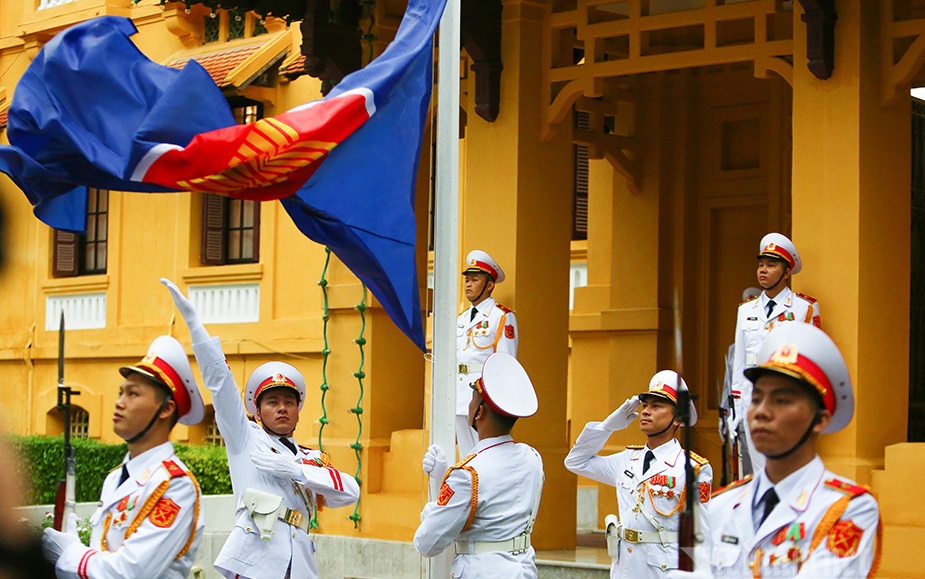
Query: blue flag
x,y
344,167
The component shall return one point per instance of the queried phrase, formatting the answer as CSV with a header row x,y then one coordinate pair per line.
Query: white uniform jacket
x,y
245,554
645,499
753,324
491,495
823,527
149,526
494,329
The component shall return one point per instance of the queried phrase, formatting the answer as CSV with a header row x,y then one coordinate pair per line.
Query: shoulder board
x,y
751,298
733,485
464,461
846,487
173,469
699,459
634,446
806,297
504,309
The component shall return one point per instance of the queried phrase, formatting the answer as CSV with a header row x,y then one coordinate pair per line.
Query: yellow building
x,y
683,130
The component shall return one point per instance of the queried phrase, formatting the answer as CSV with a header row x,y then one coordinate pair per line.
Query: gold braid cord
x,y
474,501
192,533
147,508
103,542
681,501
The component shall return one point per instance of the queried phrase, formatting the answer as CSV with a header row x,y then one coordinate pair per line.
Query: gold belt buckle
x,y
294,518
631,535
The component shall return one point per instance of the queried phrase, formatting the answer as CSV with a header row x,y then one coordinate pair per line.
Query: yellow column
x,y
517,203
851,221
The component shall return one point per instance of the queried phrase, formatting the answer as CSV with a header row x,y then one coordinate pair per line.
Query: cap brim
x,y
126,370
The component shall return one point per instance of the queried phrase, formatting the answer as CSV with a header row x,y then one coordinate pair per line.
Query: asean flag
x,y
344,167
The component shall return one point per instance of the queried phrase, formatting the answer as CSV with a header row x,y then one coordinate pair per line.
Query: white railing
x,y
227,304
578,277
81,311
52,3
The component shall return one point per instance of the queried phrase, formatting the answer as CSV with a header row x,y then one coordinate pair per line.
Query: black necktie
x,y
771,304
288,444
650,456
472,315
770,501
124,476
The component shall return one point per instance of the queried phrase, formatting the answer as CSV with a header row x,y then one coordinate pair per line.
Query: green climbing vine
x,y
325,353
357,446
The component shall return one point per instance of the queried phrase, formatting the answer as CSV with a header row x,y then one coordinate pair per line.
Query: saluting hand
x,y
622,416
278,465
185,307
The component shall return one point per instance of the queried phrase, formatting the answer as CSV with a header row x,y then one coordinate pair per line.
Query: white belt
x,y
633,536
518,544
469,368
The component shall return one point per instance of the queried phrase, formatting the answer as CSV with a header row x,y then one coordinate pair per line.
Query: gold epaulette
x,y
846,487
748,300
699,459
504,309
732,485
806,297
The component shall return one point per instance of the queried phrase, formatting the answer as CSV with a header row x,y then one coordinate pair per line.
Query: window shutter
x,y
65,257
213,230
580,184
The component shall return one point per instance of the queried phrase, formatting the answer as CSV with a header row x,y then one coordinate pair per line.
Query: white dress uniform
x,y
491,496
245,554
494,329
824,527
488,501
649,501
752,326
149,526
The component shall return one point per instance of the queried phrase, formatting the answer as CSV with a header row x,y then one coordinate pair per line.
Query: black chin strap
x,y
664,430
777,283
138,436
484,287
802,441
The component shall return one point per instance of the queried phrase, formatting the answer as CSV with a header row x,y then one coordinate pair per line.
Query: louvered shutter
x,y
213,230
66,254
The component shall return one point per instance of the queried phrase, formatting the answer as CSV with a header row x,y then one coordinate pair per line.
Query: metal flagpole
x,y
446,251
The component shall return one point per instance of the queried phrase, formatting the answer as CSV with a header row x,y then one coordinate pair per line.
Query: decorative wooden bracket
x,y
602,143
820,18
901,61
331,43
185,23
480,26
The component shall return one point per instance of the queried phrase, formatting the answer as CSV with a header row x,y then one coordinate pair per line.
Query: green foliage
x,y
210,466
41,464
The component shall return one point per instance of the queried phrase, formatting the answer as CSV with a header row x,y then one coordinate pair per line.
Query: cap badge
x,y
786,354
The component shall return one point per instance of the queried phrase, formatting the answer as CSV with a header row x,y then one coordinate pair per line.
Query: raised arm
x,y
229,409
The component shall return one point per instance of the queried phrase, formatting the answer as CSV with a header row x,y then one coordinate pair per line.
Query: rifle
x,y
65,500
687,524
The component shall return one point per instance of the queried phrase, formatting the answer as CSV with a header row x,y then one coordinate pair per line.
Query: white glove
x,y
732,426
197,331
54,543
277,465
435,462
622,416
